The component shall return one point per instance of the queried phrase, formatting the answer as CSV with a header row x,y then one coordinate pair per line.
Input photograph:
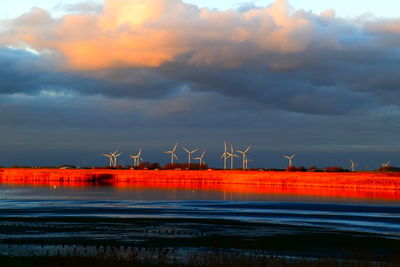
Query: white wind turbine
x,y
189,153
386,164
115,156
225,155
111,158
136,158
290,158
353,165
244,157
172,152
201,161
231,155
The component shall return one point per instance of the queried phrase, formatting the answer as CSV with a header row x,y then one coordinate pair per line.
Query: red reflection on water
x,y
335,185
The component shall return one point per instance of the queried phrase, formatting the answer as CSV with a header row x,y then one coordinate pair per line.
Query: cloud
x,y
385,26
83,7
133,33
273,57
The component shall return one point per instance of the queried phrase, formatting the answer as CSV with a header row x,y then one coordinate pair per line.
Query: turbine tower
x,y
353,165
244,157
290,158
225,155
172,152
247,162
189,153
111,158
136,158
115,156
231,155
201,158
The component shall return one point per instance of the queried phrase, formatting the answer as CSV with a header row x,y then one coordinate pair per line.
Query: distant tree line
x,y
389,169
316,169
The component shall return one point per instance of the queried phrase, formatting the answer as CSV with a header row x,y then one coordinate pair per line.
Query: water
x,y
39,218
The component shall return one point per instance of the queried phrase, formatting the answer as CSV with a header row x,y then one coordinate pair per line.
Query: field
x,y
384,186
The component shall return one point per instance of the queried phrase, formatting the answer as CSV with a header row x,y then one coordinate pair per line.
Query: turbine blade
x,y
187,150
247,149
176,145
175,157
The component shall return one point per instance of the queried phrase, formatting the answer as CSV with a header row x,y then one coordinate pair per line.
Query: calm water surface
x,y
359,215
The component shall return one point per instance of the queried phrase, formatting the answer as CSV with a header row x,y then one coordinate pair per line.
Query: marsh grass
x,y
215,259
211,261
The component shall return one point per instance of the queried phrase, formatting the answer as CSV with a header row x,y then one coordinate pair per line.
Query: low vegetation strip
x,y
358,184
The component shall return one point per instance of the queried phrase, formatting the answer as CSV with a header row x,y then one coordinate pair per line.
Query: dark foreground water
x,y
89,220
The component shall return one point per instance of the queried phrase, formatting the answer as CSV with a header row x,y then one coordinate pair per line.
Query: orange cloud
x,y
391,26
136,33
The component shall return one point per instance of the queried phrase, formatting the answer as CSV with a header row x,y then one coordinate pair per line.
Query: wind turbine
x,y
386,164
244,156
224,155
353,165
110,157
232,155
201,158
189,153
290,158
115,156
172,152
136,158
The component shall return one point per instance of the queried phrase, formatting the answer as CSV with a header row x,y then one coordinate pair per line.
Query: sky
x,y
78,79
346,8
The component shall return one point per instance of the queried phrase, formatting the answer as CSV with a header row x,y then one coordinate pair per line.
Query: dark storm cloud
x,y
24,72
